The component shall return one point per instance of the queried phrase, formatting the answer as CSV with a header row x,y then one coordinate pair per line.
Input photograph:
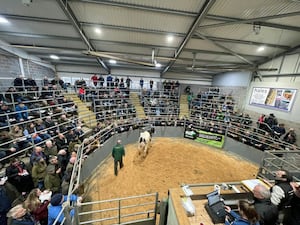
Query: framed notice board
x,y
276,98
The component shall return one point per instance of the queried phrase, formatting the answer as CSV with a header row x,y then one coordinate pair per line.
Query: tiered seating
x,y
27,122
215,112
110,105
160,103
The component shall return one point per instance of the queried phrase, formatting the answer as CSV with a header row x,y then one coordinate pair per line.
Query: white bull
x,y
144,141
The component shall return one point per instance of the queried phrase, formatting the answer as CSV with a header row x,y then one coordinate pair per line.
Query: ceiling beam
x,y
203,11
47,36
226,49
4,46
243,42
40,36
64,5
35,19
290,51
76,50
131,29
231,21
142,30
171,48
163,58
62,62
139,7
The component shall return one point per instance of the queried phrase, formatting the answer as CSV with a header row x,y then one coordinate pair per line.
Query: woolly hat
x,y
56,199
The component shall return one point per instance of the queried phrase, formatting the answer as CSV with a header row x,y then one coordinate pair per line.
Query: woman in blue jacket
x,y
247,214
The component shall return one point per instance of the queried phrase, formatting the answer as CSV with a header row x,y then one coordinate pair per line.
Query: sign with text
x,y
277,98
213,139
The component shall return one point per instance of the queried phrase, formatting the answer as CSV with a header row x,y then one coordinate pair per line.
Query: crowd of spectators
x,y
45,130
41,124
160,103
215,112
113,105
111,83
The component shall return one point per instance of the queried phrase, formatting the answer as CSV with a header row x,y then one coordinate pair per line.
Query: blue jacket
x,y
53,211
238,220
21,112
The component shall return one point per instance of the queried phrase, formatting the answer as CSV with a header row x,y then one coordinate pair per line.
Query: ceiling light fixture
x,y
54,57
170,38
261,48
98,30
157,65
3,20
112,61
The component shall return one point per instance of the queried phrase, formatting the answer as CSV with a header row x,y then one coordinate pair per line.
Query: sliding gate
x,y
139,210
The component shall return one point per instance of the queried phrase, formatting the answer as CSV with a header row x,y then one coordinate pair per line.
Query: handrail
x,y
32,110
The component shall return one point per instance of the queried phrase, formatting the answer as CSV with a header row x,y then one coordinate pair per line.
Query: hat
x,y
56,199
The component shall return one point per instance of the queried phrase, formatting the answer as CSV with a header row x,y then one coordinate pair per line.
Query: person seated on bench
x,y
247,214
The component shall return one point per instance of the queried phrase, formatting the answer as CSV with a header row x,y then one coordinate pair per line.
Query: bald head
x,y
119,141
261,192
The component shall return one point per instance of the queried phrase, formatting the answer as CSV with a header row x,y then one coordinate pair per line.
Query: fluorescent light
x,y
98,30
261,48
158,65
54,57
112,61
3,20
170,38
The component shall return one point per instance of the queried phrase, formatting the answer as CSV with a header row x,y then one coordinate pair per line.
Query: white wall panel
x,y
289,64
236,79
293,115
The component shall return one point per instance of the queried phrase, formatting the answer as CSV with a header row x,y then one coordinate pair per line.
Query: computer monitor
x,y
215,207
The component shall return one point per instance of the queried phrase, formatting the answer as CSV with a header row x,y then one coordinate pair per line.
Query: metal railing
x,y
120,210
278,160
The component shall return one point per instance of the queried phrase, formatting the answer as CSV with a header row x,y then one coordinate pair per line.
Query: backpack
x,y
5,203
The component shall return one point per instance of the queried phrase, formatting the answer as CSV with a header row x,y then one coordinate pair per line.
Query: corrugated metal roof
x,y
133,29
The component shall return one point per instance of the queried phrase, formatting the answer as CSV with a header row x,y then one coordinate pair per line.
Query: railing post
x,y
76,216
119,212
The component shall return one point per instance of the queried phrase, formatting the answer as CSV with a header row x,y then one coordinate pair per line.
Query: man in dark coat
x,y
117,153
267,211
282,193
19,177
293,218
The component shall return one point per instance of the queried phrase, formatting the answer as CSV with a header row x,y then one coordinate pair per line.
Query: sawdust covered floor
x,y
169,163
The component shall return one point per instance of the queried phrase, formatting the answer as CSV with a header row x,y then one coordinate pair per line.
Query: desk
x,y
199,201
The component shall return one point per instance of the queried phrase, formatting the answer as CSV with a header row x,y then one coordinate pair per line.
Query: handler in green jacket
x,y
117,153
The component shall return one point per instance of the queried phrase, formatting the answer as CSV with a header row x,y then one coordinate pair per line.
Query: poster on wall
x,y
277,98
